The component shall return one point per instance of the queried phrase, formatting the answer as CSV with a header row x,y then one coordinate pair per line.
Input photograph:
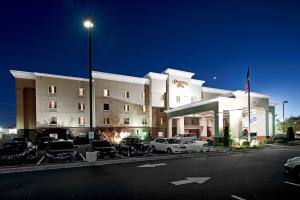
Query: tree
x,y
290,135
226,141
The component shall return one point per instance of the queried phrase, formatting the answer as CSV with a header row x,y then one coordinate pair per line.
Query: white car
x,y
169,145
292,167
186,137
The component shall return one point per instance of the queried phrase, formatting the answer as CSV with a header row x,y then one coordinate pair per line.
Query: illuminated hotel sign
x,y
180,84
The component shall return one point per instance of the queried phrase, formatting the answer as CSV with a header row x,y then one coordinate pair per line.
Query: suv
x,y
131,146
292,167
186,137
104,148
60,150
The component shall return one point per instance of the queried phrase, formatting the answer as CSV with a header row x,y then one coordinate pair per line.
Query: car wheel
x,y
153,149
169,151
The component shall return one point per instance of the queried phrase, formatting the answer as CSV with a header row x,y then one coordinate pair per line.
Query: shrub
x,y
280,141
290,135
246,144
293,143
269,141
227,139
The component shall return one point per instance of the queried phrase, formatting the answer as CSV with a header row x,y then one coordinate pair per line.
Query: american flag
x,y
247,87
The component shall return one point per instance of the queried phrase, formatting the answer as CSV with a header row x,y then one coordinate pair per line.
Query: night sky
x,y
210,38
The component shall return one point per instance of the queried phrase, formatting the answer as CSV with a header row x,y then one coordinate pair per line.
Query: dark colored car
x,y
17,152
60,151
82,143
104,148
44,141
131,146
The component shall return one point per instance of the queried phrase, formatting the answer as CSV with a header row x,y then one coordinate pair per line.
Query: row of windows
x,y
81,106
106,121
81,92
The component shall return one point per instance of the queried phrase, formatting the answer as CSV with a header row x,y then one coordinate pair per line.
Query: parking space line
x,y
290,183
238,198
39,162
82,156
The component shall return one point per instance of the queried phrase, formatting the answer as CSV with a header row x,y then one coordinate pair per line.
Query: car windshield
x,y
12,146
43,139
60,145
173,141
81,140
101,144
131,140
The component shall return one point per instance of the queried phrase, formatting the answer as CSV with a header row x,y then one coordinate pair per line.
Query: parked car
x,y
292,167
17,152
20,139
82,143
104,148
44,141
131,146
186,137
60,150
169,145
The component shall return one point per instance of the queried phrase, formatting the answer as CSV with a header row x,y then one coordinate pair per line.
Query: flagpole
x,y
249,112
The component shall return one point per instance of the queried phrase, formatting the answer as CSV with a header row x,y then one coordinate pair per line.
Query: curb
x,y
79,164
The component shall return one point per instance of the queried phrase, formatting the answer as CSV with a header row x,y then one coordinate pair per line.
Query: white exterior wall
x,y
157,89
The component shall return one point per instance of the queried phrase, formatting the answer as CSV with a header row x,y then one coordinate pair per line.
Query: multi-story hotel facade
x,y
158,104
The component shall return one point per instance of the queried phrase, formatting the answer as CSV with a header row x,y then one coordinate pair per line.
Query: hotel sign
x,y
180,84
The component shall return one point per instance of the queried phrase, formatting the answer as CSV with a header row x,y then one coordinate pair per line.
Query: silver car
x,y
186,137
292,167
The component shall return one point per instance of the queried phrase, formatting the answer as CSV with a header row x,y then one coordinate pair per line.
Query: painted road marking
x,y
188,180
290,183
152,165
39,162
238,198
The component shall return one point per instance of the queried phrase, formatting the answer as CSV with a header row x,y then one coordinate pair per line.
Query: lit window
x,y
162,97
126,95
106,92
106,107
143,96
126,108
177,99
52,105
81,106
144,108
81,91
126,120
161,121
52,89
53,121
81,120
144,122
106,121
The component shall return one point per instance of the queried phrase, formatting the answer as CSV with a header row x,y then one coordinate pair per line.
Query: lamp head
x,y
88,23
285,101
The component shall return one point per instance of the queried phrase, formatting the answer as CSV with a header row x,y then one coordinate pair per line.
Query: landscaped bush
x,y
268,141
246,144
280,136
227,139
292,143
280,141
290,135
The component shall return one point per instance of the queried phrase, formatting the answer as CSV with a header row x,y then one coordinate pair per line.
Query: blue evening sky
x,y
211,38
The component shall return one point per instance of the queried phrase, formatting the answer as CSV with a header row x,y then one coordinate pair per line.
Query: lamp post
x,y
88,24
283,115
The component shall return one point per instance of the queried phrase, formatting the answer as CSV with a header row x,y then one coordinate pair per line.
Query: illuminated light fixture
x,y
88,23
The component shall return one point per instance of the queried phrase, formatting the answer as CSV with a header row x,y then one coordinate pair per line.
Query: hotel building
x,y
158,104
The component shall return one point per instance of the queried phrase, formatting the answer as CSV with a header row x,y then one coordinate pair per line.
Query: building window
x,y
162,97
144,108
106,107
143,96
81,92
126,120
52,89
162,121
81,106
106,92
177,99
144,122
53,121
126,108
81,121
126,95
52,105
106,121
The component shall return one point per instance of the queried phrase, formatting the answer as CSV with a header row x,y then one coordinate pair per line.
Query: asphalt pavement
x,y
239,175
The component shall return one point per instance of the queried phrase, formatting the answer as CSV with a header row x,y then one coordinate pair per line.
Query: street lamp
x,y
88,24
283,115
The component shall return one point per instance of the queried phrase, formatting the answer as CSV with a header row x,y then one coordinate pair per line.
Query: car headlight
x,y
176,147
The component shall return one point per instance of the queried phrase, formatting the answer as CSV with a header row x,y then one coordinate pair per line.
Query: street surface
x,y
241,175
